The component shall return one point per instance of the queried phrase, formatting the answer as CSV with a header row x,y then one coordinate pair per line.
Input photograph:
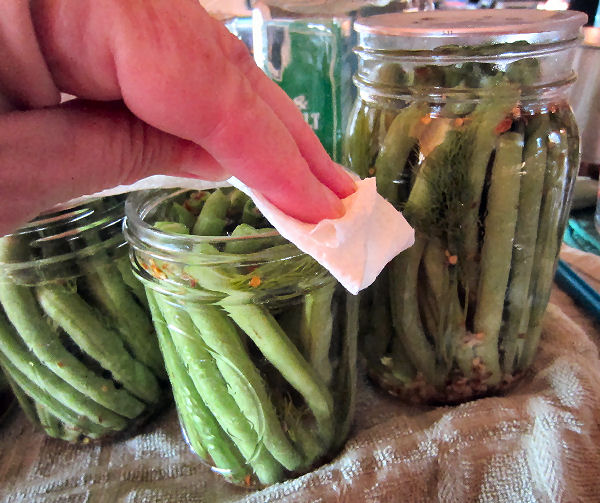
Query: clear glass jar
x,y
76,339
259,342
462,117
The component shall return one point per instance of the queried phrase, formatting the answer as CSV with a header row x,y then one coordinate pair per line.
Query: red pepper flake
x,y
371,171
248,480
426,119
104,388
504,125
156,271
254,281
452,259
459,121
190,279
60,364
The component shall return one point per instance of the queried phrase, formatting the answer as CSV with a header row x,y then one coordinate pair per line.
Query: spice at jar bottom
x,y
469,133
259,340
76,340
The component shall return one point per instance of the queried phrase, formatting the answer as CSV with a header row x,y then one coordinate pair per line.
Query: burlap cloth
x,y
540,443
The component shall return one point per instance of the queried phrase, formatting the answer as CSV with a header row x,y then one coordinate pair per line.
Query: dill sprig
x,y
446,176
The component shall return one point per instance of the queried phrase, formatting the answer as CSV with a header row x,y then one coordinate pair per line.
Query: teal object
x,y
581,232
577,288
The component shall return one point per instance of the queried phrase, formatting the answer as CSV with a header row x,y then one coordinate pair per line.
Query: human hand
x,y
163,88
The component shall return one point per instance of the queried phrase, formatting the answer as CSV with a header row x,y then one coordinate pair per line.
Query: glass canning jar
x,y
76,339
259,340
462,117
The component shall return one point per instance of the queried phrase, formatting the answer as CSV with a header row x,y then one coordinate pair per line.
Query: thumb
x,y
51,155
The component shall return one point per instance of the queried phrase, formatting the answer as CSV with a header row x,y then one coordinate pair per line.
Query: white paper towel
x,y
354,248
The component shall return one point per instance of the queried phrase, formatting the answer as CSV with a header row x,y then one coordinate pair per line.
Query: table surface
x,y
541,442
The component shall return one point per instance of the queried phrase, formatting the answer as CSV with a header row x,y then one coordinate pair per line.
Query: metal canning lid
x,y
430,30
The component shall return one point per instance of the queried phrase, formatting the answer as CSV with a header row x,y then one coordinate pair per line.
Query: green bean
x,y
51,425
77,319
250,213
131,281
380,319
433,324
346,376
132,323
500,222
201,428
26,404
455,331
485,121
436,297
359,152
54,362
222,339
180,215
195,201
399,141
407,321
564,120
64,404
317,329
211,386
249,245
211,220
548,240
275,345
530,199
172,227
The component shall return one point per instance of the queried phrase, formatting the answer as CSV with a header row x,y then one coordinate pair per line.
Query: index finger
x,y
180,72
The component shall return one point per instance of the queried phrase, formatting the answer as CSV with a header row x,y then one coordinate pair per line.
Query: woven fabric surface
x,y
539,443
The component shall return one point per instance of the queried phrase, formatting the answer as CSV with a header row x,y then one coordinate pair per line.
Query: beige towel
x,y
541,443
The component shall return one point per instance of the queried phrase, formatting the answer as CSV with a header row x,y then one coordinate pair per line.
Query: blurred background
x,y
228,8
